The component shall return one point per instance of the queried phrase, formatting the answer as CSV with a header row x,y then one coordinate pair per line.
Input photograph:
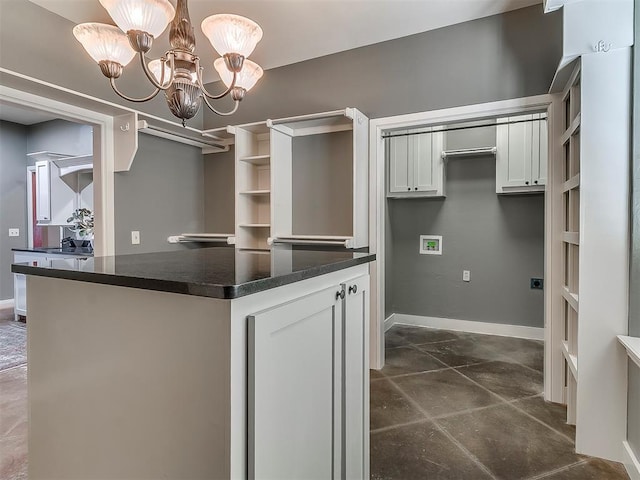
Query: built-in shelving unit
x,y
319,179
253,185
570,238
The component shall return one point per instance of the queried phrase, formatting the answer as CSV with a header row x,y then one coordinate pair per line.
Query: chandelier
x,y
178,73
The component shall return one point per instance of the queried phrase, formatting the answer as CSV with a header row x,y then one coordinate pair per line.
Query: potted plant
x,y
82,219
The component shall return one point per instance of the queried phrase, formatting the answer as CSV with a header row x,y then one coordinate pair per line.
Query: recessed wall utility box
x,y
431,244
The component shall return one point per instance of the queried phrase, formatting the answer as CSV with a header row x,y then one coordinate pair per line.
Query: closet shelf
x,y
257,159
571,298
227,238
632,344
572,360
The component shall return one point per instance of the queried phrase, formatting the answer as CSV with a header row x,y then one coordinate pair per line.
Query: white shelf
x,y
632,344
255,225
571,298
256,192
257,159
572,360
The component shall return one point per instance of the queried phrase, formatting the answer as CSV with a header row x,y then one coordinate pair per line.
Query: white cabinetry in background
x,y
43,191
521,157
416,167
308,386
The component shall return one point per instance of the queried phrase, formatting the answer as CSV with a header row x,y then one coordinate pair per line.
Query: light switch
x,y
14,232
135,237
466,275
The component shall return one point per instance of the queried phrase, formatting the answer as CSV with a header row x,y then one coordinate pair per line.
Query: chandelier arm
x,y
217,112
205,93
112,81
151,77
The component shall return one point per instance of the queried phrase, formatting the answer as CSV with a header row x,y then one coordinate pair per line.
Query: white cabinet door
x,y
400,165
514,144
356,378
294,384
421,152
43,192
540,152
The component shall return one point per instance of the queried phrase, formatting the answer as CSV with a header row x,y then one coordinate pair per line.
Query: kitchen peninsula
x,y
202,364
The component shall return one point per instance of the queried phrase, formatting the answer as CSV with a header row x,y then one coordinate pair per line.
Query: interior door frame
x,y
103,157
553,388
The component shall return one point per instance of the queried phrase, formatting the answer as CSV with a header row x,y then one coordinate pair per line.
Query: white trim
x,y
471,326
377,192
31,170
6,304
390,321
631,461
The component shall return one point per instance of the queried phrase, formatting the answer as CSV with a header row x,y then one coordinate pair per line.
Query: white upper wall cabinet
x,y
416,166
521,156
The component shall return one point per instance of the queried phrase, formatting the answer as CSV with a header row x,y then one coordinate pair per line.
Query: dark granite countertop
x,y
80,251
222,272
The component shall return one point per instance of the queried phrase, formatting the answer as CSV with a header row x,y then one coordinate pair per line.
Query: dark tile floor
x,y
13,398
447,405
453,405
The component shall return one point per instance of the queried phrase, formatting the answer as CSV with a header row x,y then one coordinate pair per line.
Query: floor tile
x,y
389,407
458,352
403,360
13,401
417,452
375,374
509,380
526,352
422,335
553,414
394,337
512,445
444,392
594,469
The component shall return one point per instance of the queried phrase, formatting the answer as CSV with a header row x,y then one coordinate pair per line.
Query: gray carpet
x,y
13,343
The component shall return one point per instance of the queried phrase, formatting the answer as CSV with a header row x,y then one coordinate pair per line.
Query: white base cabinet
x,y
308,386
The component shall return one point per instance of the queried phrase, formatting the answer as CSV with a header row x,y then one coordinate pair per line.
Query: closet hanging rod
x,y
151,129
310,240
203,237
469,152
452,129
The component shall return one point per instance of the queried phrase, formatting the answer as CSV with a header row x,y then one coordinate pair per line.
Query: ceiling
x,y
298,30
23,115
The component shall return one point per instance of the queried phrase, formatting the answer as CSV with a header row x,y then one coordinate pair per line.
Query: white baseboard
x,y
389,322
631,462
8,303
519,331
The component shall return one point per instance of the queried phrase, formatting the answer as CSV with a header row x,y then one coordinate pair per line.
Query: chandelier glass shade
x,y
178,73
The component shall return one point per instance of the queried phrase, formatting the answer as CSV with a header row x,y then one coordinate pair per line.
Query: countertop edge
x,y
222,292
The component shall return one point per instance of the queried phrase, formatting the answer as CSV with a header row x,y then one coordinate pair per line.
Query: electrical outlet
x,y
466,275
135,237
537,283
14,232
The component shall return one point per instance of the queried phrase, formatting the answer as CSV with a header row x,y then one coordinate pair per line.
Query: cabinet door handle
x,y
353,289
408,188
535,181
416,188
526,183
340,294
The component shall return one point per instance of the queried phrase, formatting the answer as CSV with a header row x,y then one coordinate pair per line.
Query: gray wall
x,y
13,198
161,195
322,184
219,192
633,426
493,58
500,239
60,136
